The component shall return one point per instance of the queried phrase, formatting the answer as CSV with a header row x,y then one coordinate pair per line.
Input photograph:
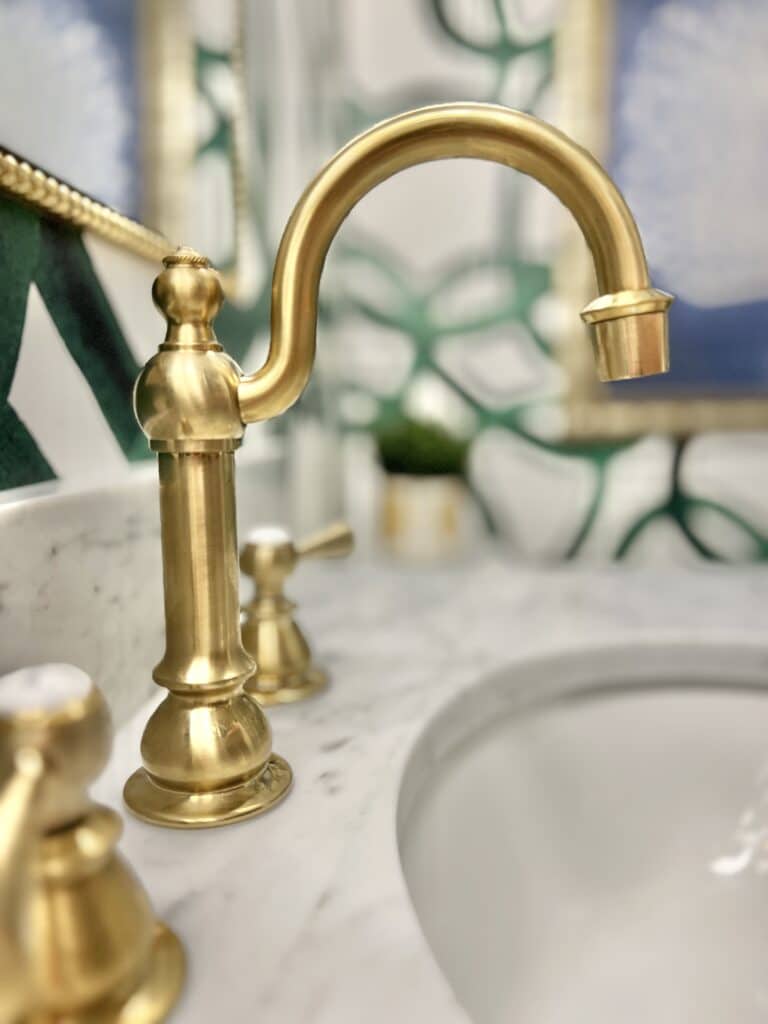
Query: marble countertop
x,y
302,916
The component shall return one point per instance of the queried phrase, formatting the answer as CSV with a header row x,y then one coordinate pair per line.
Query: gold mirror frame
x,y
167,69
169,105
583,61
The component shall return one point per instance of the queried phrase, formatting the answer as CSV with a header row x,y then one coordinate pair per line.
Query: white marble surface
x,y
302,916
81,574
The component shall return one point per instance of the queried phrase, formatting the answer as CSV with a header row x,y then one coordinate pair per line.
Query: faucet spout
x,y
629,315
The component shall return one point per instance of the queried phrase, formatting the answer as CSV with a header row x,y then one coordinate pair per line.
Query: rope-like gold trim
x,y
51,196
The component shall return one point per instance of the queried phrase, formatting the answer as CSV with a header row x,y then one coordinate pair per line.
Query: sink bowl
x,y
585,838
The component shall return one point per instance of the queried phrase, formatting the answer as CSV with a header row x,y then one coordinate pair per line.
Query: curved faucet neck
x,y
473,130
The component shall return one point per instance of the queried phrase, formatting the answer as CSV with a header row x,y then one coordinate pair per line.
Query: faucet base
x,y
152,1001
288,689
175,808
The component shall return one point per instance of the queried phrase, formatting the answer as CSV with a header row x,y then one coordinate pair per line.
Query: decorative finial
x,y
188,293
186,257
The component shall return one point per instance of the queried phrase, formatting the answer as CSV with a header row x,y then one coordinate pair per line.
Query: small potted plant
x,y
425,499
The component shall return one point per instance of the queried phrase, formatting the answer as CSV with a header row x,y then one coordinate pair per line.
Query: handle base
x,y
176,808
269,690
160,987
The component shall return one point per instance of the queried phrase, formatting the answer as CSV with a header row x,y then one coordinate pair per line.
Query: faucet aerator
x,y
633,346
630,333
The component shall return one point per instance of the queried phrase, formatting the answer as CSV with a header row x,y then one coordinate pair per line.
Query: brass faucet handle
x,y
56,710
58,863
269,555
333,541
17,802
285,669
48,754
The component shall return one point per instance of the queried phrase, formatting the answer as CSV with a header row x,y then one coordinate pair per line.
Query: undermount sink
x,y
585,838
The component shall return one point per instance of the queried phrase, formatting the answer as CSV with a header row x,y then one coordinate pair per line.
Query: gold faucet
x,y
16,803
629,316
78,938
207,749
284,672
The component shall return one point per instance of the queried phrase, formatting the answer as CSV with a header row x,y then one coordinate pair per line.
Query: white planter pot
x,y
425,518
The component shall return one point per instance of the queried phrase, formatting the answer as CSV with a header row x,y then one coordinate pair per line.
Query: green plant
x,y
420,449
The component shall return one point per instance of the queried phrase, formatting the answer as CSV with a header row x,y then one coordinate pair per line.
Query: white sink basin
x,y
585,839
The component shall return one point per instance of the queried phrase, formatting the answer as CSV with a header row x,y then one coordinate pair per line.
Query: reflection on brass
x,y
631,340
79,942
284,672
207,749
627,346
16,836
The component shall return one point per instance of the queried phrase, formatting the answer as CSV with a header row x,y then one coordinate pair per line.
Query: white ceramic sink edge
x,y
585,837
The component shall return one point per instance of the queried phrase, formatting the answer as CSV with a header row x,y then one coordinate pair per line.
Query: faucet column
x,y
197,513
206,750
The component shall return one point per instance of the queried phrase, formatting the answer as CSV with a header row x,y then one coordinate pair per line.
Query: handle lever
x,y
333,541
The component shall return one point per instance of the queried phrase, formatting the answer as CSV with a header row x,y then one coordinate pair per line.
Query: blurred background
x,y
453,408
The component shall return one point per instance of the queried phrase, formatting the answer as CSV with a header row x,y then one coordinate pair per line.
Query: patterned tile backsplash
x,y
451,310
439,302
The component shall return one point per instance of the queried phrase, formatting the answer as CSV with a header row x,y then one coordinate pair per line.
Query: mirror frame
x,y
582,65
